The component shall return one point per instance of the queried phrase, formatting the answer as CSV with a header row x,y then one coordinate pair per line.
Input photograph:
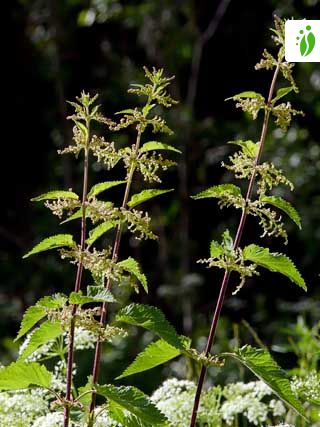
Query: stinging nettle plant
x,y
263,177
65,319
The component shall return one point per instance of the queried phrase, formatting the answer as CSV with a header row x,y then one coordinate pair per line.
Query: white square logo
x,y
302,40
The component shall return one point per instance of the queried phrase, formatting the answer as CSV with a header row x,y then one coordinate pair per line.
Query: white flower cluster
x,y
83,339
218,406
246,399
308,387
21,407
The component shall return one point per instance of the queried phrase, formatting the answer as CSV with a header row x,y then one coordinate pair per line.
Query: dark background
x,y
55,49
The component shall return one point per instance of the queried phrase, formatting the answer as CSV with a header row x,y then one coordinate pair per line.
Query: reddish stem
x,y
225,280
77,287
104,307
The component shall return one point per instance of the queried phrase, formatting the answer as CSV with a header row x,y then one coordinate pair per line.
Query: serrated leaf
x,y
246,94
19,375
126,111
281,93
78,213
38,311
46,332
274,262
123,417
100,294
217,191
249,148
131,266
145,195
285,206
103,295
56,194
215,249
30,318
153,355
155,145
103,186
153,319
98,231
82,127
53,242
134,401
260,362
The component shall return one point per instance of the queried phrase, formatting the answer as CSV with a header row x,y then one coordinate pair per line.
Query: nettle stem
x,y
104,307
225,280
78,280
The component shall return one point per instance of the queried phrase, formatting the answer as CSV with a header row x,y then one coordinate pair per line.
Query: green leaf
x,y
153,319
249,148
260,362
218,191
155,354
46,332
30,318
38,311
78,213
155,145
103,295
124,418
20,375
51,195
131,266
215,249
58,241
145,195
134,401
281,93
102,186
246,94
274,262
126,111
99,231
285,206
100,294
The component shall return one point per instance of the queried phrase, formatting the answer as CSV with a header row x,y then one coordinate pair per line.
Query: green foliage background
x,y
56,49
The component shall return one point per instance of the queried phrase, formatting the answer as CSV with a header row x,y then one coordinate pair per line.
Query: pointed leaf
x,y
123,417
153,319
281,93
78,213
145,195
20,375
126,111
51,195
155,145
274,262
100,230
260,362
246,94
215,249
131,266
102,186
285,206
218,191
58,241
30,318
249,148
134,401
38,311
155,354
46,332
100,294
